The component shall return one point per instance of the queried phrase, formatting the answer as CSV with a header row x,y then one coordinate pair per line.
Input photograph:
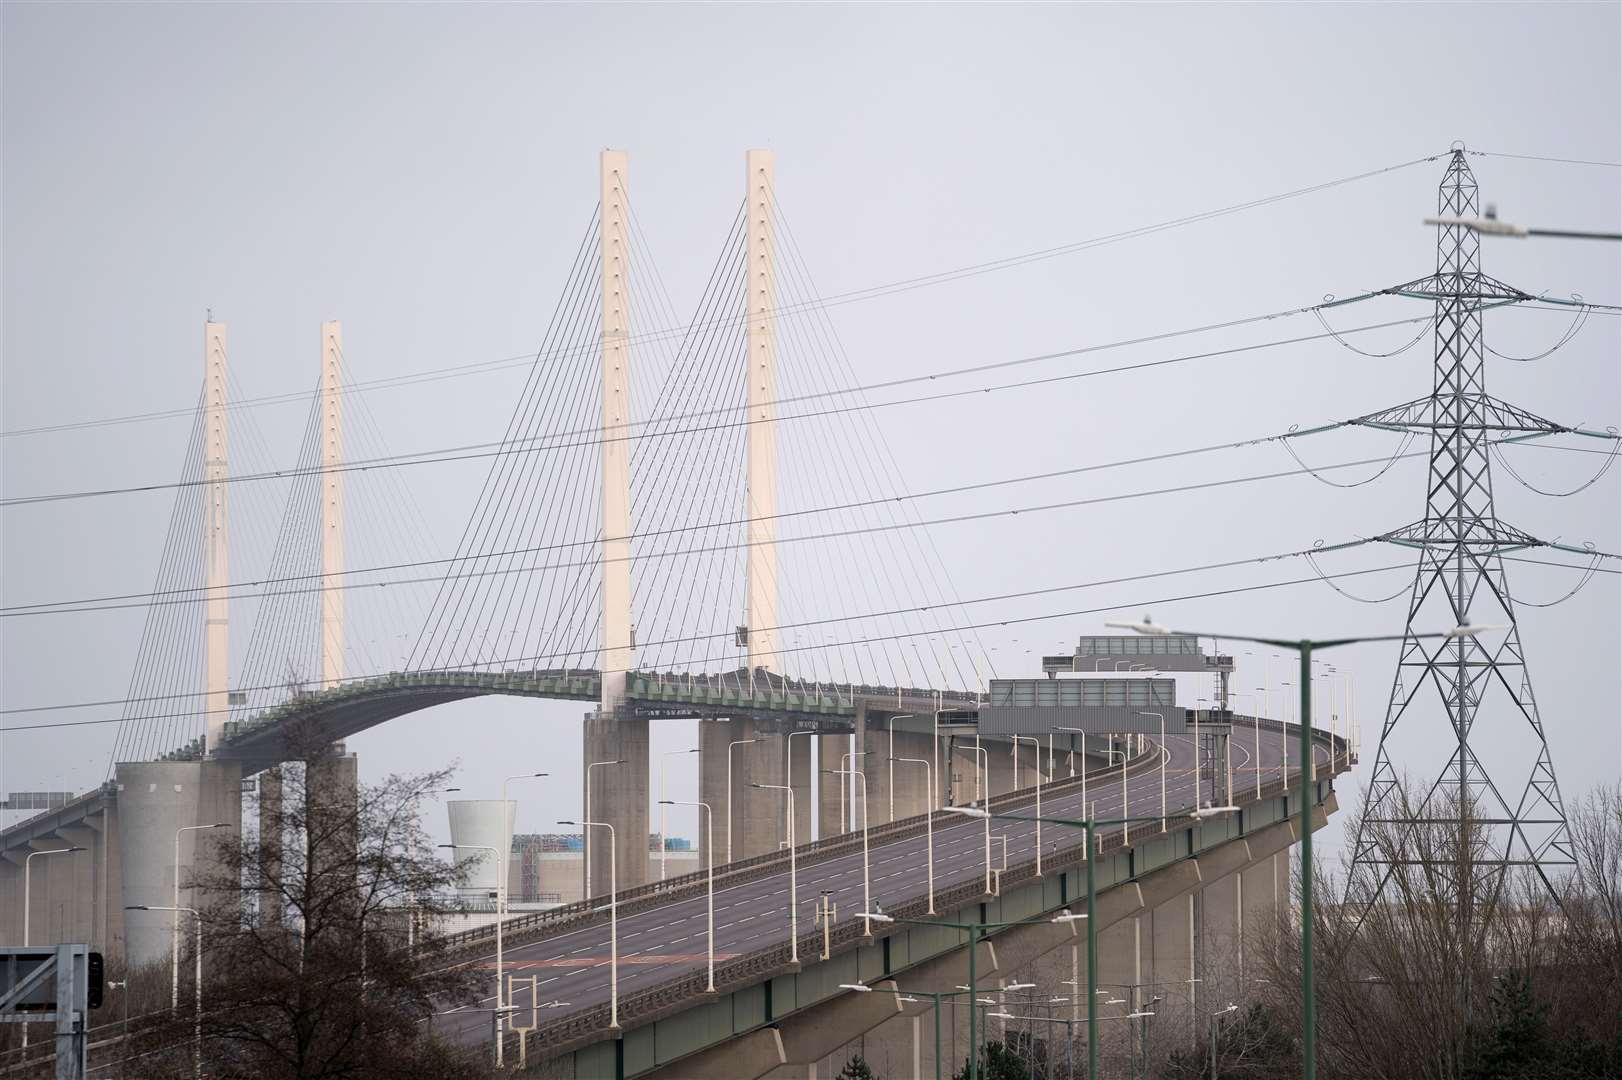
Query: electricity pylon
x,y
1507,812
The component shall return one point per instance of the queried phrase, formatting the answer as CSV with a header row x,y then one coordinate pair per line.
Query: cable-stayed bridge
x,y
692,559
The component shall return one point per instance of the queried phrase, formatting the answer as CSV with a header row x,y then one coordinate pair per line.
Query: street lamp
x,y
28,892
1083,733
867,893
793,872
975,932
585,839
495,857
197,1025
1038,744
1264,696
664,841
847,794
176,909
412,897
1090,825
1305,647
1164,754
788,766
503,868
1491,226
970,811
914,995
613,920
731,746
929,830
1215,1017
709,847
28,896
889,723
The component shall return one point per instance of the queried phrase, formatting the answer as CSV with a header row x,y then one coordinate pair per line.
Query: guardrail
x,y
525,928
650,1004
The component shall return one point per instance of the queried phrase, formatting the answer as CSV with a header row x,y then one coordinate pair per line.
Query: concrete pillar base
x,y
155,799
619,797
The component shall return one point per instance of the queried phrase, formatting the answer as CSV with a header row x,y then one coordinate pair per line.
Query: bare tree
x,y
310,970
1414,973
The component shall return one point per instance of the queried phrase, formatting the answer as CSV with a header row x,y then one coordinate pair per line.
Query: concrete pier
x,y
833,804
619,797
155,801
759,817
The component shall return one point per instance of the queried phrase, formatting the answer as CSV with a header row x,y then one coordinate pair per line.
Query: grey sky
x,y
425,174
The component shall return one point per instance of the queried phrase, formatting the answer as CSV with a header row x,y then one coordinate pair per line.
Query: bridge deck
x,y
257,740
662,948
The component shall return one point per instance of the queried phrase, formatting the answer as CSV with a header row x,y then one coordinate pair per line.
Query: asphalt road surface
x,y
662,943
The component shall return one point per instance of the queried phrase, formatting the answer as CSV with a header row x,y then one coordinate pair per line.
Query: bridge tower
x,y
760,489
158,799
619,794
332,504
216,553
759,817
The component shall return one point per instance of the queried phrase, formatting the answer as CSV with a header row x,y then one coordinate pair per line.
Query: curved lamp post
x,y
929,829
867,889
585,839
28,896
731,746
709,846
613,921
197,1025
175,908
793,873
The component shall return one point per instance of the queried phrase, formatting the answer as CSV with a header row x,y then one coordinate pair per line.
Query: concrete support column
x,y
112,878
1256,907
912,795
1172,951
11,897
876,767
155,800
1219,940
758,817
833,804
75,883
713,739
272,823
619,797
962,767
800,780
332,783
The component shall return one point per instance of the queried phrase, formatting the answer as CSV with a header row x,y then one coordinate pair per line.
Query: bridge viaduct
x,y
1169,890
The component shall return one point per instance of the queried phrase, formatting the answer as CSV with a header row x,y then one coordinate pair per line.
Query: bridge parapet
x,y
685,886
1118,859
1143,847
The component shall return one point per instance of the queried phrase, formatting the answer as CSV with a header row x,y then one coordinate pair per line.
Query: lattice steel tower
x,y
1511,801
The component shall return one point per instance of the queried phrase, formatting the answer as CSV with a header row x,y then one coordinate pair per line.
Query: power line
x,y
191,594
1539,157
790,648
592,436
816,303
194,593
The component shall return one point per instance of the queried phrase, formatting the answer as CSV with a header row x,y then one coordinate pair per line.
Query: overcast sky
x,y
425,174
